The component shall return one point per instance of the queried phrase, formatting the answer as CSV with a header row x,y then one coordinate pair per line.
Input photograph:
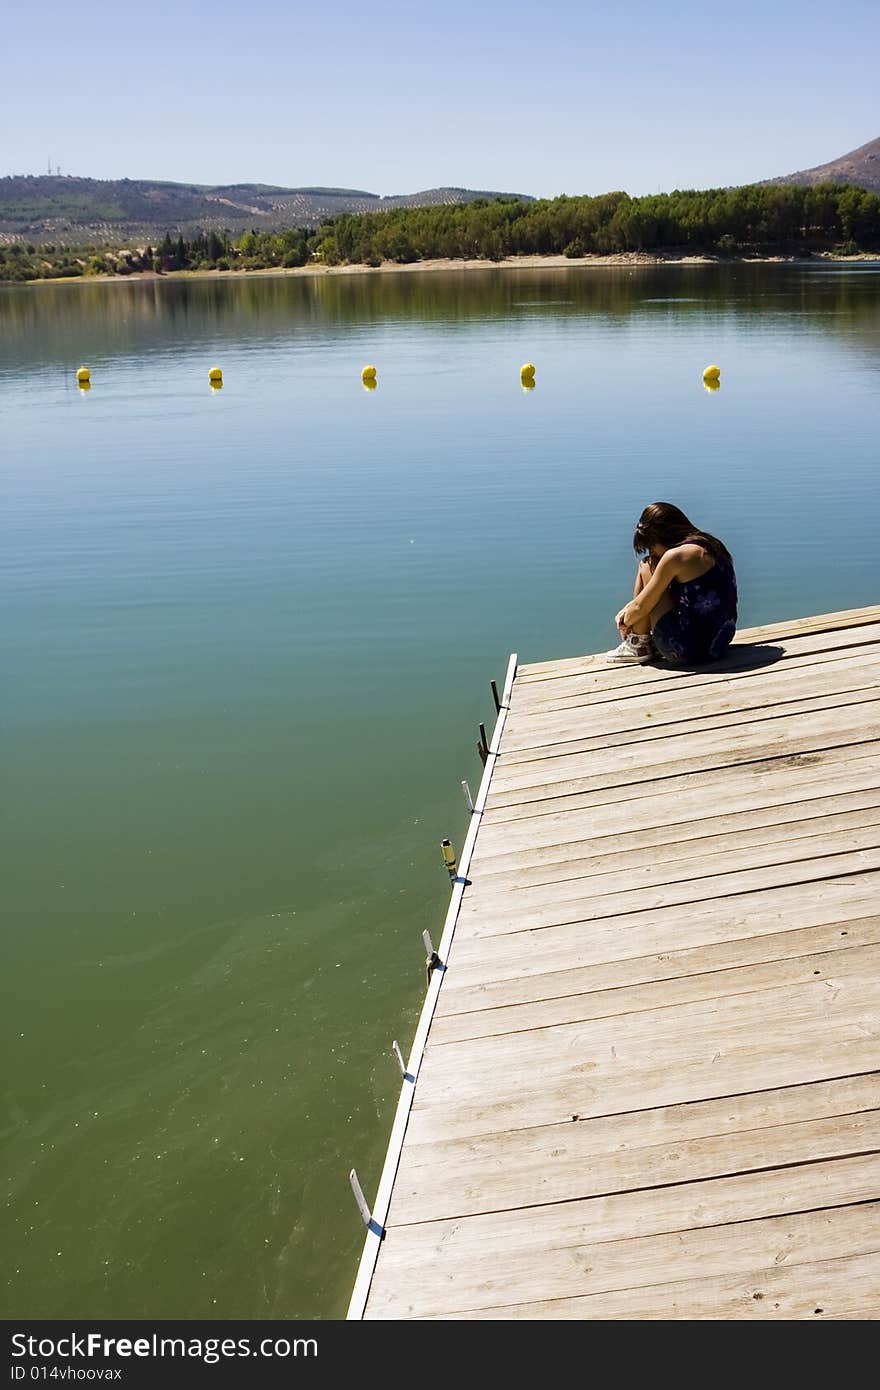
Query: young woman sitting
x,y
684,603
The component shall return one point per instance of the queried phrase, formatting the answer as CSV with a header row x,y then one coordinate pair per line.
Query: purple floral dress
x,y
703,621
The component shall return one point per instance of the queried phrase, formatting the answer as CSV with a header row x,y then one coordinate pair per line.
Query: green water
x,y
247,639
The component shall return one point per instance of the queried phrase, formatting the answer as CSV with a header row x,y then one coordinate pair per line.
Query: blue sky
x,y
544,99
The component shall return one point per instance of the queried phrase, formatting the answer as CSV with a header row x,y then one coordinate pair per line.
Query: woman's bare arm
x,y
647,598
684,562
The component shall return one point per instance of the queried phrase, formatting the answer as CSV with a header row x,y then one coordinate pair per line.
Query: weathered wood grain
x,y
651,1084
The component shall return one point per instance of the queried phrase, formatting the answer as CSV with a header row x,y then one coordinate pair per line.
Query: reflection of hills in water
x,y
64,324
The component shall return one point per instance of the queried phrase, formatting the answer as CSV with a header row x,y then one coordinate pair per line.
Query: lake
x,y
247,638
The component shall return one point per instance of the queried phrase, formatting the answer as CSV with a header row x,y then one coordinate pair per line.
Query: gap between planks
x,y
793,628
719,1229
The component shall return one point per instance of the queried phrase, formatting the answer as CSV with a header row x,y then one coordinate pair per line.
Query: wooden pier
x,y
645,1081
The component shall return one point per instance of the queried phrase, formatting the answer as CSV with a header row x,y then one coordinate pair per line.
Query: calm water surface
x,y
247,639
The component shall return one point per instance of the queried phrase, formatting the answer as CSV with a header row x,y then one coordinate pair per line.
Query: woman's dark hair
x,y
663,524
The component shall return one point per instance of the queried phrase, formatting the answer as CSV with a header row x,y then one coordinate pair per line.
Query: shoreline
x,y
623,259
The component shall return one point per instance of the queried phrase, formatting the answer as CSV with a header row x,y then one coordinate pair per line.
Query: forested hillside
x,y
72,210
757,220
723,221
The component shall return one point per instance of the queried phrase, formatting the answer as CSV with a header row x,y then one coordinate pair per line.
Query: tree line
x,y
723,221
23,261
754,220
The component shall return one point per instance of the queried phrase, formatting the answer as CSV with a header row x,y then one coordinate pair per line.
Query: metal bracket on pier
x,y
360,1198
382,1204
395,1048
496,697
366,1214
432,960
468,799
483,745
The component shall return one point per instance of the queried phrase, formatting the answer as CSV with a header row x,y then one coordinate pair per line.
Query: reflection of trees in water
x,y
62,323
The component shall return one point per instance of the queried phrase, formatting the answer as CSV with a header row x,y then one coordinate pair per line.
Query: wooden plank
x,y
768,632
699,1230
680,927
507,916
694,1069
848,1049
821,622
776,782
770,780
548,863
663,968
612,1044
564,730
581,699
655,1044
611,681
650,731
866,1314
810,659
595,1222
718,857
554,787
644,771
440,1191
785,627
665,993
457,1177
616,684
856,722
823,1290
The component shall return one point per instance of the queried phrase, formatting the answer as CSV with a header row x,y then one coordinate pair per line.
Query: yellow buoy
x,y
216,386
527,383
711,373
85,386
216,374
83,375
712,383
368,374
527,371
369,383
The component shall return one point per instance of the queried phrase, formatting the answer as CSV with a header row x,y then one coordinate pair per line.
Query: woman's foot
x,y
634,647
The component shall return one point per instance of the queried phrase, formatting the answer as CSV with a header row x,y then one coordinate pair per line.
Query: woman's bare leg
x,y
665,605
643,574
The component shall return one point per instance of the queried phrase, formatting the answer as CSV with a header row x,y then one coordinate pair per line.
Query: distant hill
x,y
65,209
861,167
